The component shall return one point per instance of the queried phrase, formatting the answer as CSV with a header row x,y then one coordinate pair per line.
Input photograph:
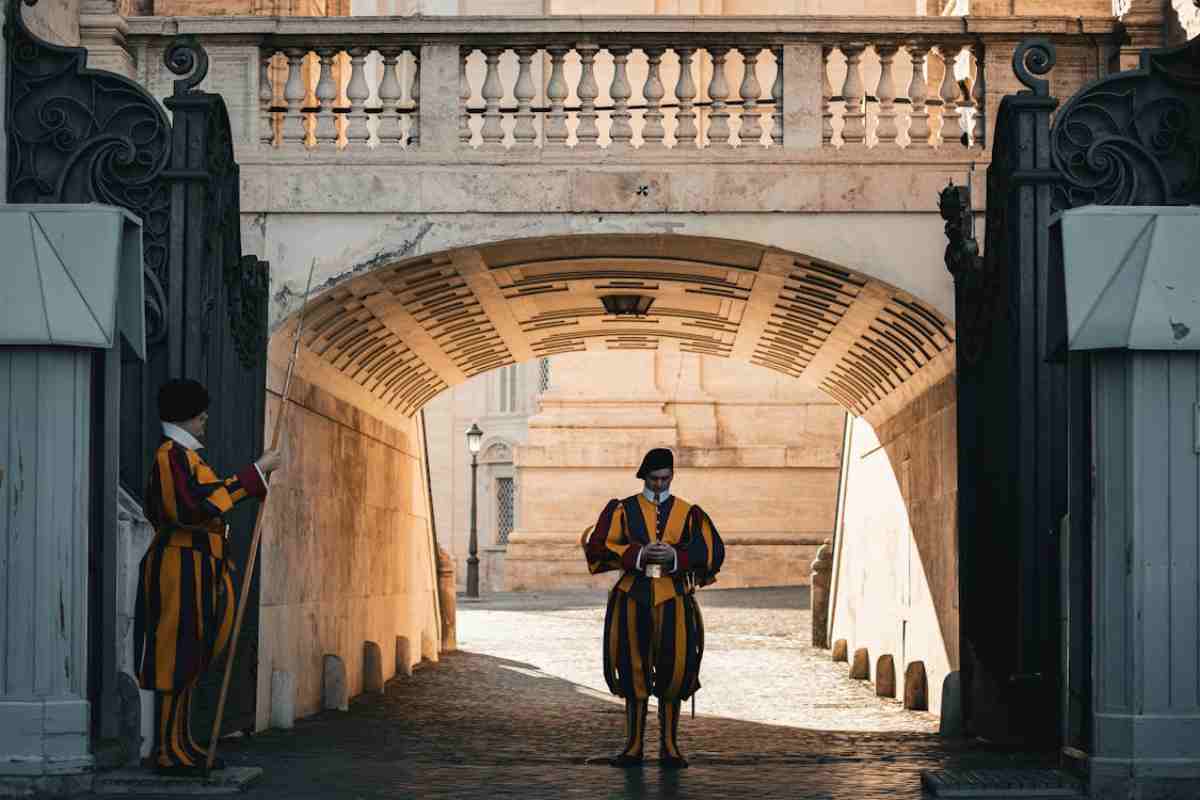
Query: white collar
x,y
662,498
178,434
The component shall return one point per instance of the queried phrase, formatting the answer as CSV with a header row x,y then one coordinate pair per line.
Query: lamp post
x,y
474,440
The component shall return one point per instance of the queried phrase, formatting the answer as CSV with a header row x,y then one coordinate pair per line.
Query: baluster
x,y
918,90
718,93
414,108
886,130
555,128
620,131
464,98
266,96
951,130
524,132
294,93
978,95
685,93
357,93
586,133
826,98
750,91
326,131
653,131
493,131
389,99
777,100
854,128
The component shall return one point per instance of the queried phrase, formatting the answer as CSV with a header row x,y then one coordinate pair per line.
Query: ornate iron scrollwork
x,y
248,285
81,135
1133,138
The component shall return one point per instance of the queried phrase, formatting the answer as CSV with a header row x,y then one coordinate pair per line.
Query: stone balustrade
x,y
637,86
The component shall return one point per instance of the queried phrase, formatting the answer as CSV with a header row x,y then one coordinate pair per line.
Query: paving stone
x,y
140,782
521,707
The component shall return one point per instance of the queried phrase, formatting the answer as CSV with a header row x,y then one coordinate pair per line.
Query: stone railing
x,y
638,86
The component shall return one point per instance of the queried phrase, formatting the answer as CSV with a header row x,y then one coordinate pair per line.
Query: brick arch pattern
x,y
407,330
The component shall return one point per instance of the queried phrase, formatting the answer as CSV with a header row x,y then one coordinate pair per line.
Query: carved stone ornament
x,y
80,135
497,453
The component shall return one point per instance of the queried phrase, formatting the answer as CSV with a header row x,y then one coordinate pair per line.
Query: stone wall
x,y
346,555
56,21
896,583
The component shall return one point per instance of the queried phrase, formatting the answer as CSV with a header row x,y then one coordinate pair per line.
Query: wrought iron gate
x,y
1131,138
79,135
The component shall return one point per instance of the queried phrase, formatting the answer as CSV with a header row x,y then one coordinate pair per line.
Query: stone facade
x,y
347,552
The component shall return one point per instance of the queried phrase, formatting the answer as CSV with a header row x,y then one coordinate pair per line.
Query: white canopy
x,y
1132,277
72,276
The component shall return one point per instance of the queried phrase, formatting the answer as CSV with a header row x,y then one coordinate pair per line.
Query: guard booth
x,y
1130,289
72,302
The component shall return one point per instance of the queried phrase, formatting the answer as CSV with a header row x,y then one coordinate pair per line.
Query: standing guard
x,y
186,599
653,630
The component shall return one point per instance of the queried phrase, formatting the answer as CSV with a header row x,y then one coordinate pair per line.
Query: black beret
x,y
181,399
658,458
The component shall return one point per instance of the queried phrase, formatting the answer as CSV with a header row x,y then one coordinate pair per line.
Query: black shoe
x,y
625,761
667,762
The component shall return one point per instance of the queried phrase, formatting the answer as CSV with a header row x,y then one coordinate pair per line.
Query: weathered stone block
x,y
447,600
404,656
334,690
819,581
916,692
839,650
885,676
372,668
951,723
860,667
283,699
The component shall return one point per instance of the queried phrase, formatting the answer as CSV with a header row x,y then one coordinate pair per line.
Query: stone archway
x,y
405,331
378,344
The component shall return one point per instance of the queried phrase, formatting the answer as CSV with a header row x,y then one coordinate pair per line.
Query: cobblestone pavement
x,y
520,709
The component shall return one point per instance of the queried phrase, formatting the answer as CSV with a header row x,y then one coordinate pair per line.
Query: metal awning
x,y
72,276
1131,277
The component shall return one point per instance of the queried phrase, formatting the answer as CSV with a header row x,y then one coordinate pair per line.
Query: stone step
x,y
1002,783
130,782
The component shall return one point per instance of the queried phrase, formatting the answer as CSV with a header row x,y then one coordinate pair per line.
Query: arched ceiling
x,y
406,331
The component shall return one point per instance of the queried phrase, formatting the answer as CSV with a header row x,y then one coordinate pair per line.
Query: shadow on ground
x,y
476,726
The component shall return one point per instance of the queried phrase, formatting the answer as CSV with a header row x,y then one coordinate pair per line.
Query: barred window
x,y
543,375
504,509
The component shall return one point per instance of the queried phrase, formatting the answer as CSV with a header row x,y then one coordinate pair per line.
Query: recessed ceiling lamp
x,y
627,305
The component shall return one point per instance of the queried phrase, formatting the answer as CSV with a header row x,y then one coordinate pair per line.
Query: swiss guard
x,y
186,599
666,548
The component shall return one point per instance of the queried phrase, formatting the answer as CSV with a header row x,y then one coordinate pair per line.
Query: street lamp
x,y
474,440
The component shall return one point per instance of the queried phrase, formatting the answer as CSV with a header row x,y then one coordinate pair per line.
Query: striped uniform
x,y
653,629
185,603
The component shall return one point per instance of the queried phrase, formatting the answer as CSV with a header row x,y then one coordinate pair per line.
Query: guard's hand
x,y
270,461
657,553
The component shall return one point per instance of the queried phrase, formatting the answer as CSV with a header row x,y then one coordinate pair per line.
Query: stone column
x,y
822,576
446,599
1145,24
102,30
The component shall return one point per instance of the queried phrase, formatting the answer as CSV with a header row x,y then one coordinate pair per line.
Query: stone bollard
x,y
429,647
334,693
372,668
951,724
839,650
916,694
860,667
819,582
885,676
404,656
283,700
448,602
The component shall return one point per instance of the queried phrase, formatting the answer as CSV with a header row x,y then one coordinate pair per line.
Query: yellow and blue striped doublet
x,y
653,628
186,599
